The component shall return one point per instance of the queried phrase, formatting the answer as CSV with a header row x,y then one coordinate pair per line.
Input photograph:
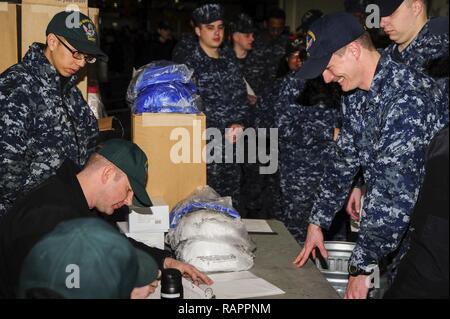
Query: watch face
x,y
352,269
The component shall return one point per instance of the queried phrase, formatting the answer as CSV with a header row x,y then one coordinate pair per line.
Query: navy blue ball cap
x,y
79,30
242,24
387,7
326,36
208,13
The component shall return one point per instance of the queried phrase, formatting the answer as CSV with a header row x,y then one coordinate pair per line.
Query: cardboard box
x,y
175,149
8,35
61,3
155,240
105,124
153,219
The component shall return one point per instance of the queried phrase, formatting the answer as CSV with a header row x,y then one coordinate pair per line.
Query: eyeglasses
x,y
78,55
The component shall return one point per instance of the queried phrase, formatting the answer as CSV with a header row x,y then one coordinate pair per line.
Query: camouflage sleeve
x,y
397,175
319,124
337,178
13,141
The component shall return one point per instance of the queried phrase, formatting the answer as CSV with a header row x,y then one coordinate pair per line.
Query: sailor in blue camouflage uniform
x,y
44,118
268,50
241,31
185,47
419,43
306,132
417,40
390,115
223,92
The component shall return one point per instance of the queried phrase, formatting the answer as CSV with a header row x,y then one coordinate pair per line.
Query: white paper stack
x,y
148,225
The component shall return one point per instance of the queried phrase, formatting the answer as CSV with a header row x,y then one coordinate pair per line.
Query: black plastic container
x,y
171,284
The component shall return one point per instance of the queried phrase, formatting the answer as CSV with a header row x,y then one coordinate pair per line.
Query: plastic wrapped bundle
x,y
204,198
210,256
163,87
210,225
212,242
172,97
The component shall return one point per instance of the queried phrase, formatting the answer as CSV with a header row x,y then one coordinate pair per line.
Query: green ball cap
x,y
86,258
133,162
79,30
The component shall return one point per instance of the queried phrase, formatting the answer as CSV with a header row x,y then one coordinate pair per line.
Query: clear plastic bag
x,y
208,256
210,225
212,242
203,198
163,87
172,97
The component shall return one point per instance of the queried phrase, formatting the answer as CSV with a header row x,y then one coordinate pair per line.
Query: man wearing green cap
x,y
85,258
44,116
113,177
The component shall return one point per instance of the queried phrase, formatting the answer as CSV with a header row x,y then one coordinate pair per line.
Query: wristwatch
x,y
356,271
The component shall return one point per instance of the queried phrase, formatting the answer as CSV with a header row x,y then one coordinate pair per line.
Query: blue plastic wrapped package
x,y
155,73
168,97
163,87
204,198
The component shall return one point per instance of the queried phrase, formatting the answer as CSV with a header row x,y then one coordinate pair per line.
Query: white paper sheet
x,y
257,226
234,285
244,284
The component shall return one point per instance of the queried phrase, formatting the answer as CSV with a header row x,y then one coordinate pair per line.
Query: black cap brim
x,y
312,68
246,31
387,8
88,48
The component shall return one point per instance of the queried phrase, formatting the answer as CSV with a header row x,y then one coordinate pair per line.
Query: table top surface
x,y
274,256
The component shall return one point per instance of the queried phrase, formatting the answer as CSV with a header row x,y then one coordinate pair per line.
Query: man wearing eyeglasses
x,y
44,118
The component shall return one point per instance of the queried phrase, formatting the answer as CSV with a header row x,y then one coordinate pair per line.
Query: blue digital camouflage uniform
x,y
305,136
263,62
430,45
185,47
385,131
41,125
224,101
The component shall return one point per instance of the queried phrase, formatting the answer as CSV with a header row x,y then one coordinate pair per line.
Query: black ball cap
x,y
326,36
79,30
242,24
387,7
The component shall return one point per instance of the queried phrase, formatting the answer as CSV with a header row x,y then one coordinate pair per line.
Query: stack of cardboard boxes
x,y
175,149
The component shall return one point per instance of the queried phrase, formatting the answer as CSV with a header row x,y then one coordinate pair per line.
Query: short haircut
x,y
97,161
365,40
426,3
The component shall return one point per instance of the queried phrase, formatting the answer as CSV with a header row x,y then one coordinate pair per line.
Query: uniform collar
x,y
412,47
39,66
202,54
379,77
